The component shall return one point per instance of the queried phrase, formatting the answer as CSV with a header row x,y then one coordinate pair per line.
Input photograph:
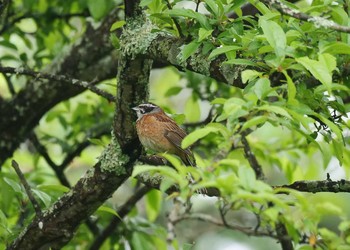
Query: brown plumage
x,y
160,133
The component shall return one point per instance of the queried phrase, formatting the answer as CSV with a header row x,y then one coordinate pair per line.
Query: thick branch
x,y
55,227
167,49
319,186
342,186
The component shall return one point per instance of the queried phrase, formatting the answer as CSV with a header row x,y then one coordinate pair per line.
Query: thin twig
x,y
10,85
207,218
251,157
178,27
27,188
318,21
103,129
87,85
43,152
223,211
286,242
197,5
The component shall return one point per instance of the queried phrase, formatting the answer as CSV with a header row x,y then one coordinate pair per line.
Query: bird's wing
x,y
175,135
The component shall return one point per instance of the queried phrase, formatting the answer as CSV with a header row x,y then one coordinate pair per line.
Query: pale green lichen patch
x,y
200,63
112,159
137,36
231,72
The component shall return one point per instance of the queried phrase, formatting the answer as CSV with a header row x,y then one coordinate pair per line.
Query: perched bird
x,y
160,133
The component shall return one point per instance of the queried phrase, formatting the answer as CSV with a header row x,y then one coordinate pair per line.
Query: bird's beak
x,y
135,108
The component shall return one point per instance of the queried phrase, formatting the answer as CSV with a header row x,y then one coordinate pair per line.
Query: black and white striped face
x,y
146,108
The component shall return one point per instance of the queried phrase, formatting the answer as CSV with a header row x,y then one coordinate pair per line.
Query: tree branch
x,y
342,186
251,158
60,78
166,49
207,218
27,188
282,235
319,186
317,21
56,226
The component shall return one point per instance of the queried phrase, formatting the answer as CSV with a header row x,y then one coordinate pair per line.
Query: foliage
x,y
290,120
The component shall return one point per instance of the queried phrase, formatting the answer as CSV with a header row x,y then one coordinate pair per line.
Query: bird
x,y
160,133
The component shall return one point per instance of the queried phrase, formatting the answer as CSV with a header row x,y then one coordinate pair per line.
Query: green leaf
x,y
166,184
187,246
153,204
223,130
275,36
114,40
44,197
117,25
276,110
338,149
223,49
8,44
212,7
15,185
53,187
173,91
179,118
329,61
262,87
189,49
218,100
198,134
327,208
247,177
234,108
318,70
98,142
336,48
300,117
203,34
165,171
291,88
242,62
253,122
200,18
109,210
335,129
97,8
250,75
144,3
141,241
